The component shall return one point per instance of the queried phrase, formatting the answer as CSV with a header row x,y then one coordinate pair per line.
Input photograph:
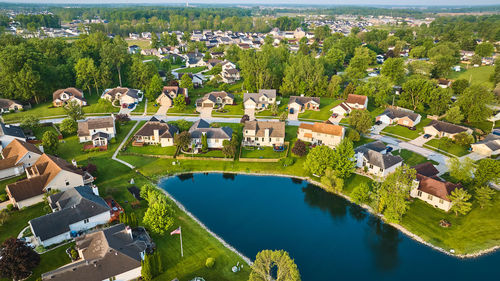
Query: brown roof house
x,y
156,132
98,130
400,116
263,133
260,100
46,174
352,102
321,134
375,158
431,189
214,99
123,95
7,105
114,253
301,104
445,129
169,93
63,96
17,156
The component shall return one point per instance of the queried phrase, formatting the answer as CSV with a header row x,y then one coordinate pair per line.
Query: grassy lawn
x,y
485,126
411,158
477,230
142,43
324,110
476,75
362,140
18,220
264,152
211,153
450,147
405,132
51,260
191,69
38,132
152,149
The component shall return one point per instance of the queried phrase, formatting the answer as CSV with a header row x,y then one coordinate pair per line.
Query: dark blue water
x,y
329,238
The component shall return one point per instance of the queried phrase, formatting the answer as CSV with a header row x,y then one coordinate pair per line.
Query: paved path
x,y
145,108
4,204
420,141
162,111
251,113
121,145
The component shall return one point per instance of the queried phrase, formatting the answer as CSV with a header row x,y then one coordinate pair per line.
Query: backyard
x,y
479,75
265,152
324,110
191,69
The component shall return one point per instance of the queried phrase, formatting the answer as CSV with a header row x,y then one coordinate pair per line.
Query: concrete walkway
x,y
121,145
145,107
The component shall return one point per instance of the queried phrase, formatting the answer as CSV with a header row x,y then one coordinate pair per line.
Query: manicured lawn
x,y
51,260
476,75
485,126
450,147
324,110
411,158
191,69
264,152
38,132
152,149
19,219
353,181
211,153
142,43
362,140
405,132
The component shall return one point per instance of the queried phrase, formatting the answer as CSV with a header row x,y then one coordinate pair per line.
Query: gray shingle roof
x,y
383,161
446,127
11,130
398,113
201,126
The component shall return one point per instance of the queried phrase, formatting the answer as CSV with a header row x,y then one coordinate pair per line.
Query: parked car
x,y
378,122
426,136
412,128
335,115
389,149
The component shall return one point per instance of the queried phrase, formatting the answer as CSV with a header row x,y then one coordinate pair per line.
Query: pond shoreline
x,y
399,227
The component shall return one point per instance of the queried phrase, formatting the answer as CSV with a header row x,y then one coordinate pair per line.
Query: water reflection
x,y
296,180
383,240
316,197
228,176
357,212
187,176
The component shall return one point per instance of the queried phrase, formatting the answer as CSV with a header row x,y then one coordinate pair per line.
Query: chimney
x,y
95,190
266,133
156,135
129,231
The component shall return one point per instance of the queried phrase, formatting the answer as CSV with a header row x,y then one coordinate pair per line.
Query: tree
x,y
303,75
438,100
159,215
418,52
484,194
444,55
487,170
228,149
147,268
454,115
463,139
186,82
18,260
458,86
349,89
283,116
415,92
484,49
356,70
183,140
85,73
68,126
461,170
299,148
378,88
50,142
73,110
361,193
180,102
332,182
394,193
141,73
154,88
265,263
30,121
394,68
319,159
476,60
115,55
343,164
334,86
333,61
155,42
204,143
459,201
474,103
353,135
361,120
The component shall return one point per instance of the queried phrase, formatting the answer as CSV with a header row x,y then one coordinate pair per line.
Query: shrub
x,y
289,161
299,148
353,135
74,254
122,118
91,168
210,262
10,207
112,141
244,118
3,197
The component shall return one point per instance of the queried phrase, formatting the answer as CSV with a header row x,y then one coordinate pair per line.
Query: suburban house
x,y
263,133
230,75
64,96
155,132
9,133
431,189
7,105
99,130
73,211
213,62
215,136
46,174
214,99
169,93
489,146
114,253
400,116
342,109
123,95
17,156
301,104
357,101
321,134
444,129
260,100
376,160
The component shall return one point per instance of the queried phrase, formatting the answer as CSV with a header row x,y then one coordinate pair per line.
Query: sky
x,y
277,2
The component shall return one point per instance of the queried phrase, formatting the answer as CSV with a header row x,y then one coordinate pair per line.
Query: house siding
x,y
432,200
59,181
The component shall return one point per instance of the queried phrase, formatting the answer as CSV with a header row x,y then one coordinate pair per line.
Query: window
x,y
86,221
429,197
67,183
441,201
419,193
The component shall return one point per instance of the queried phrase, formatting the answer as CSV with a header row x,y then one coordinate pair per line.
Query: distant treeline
x,y
37,21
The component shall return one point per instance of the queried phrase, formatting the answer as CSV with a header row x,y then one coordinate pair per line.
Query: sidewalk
x,y
121,145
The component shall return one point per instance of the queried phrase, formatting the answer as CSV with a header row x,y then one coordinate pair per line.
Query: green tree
x,y
476,60
454,115
159,216
73,110
438,100
343,163
154,88
332,182
474,103
484,194
319,159
361,120
85,73
68,126
459,199
186,82
461,170
363,57
458,86
394,68
180,102
418,52
361,193
463,139
204,143
444,55
487,170
50,142
485,49
115,55
146,269
183,140
377,88
394,193
228,149
155,42
30,121
141,73
416,92
267,260
333,89
304,76
333,61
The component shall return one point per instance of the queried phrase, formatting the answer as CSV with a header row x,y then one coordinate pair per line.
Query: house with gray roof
x,y
73,211
99,130
7,105
123,95
114,253
445,129
155,132
214,99
400,116
260,100
215,136
376,160
489,146
10,132
301,103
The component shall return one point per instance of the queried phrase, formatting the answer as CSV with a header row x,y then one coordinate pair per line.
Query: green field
x,y
476,75
142,43
191,69
450,147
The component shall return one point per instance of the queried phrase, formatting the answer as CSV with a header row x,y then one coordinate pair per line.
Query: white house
x,y
400,116
357,101
74,210
17,156
374,157
215,136
489,146
260,100
123,95
99,130
263,133
155,132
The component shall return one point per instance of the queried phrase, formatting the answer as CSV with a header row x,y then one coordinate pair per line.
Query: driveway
x,y
376,129
162,110
420,140
250,112
336,120
293,116
474,156
125,110
205,112
4,204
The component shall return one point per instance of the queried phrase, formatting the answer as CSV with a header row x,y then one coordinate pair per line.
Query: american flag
x,y
177,231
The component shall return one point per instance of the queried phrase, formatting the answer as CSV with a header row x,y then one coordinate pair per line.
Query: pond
x,y
329,238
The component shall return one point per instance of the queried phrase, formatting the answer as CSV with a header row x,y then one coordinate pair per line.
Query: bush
x,y
289,161
299,148
353,135
74,254
112,141
10,207
210,262
3,197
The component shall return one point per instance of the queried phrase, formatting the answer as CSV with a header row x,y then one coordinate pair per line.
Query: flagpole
x,y
182,253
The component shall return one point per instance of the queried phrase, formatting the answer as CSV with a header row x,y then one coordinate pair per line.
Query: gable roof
x,y
123,91
18,148
27,188
303,100
440,189
11,130
324,128
94,123
491,141
201,127
6,103
400,113
446,127
378,146
74,205
383,161
165,130
74,92
352,98
426,169
276,129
